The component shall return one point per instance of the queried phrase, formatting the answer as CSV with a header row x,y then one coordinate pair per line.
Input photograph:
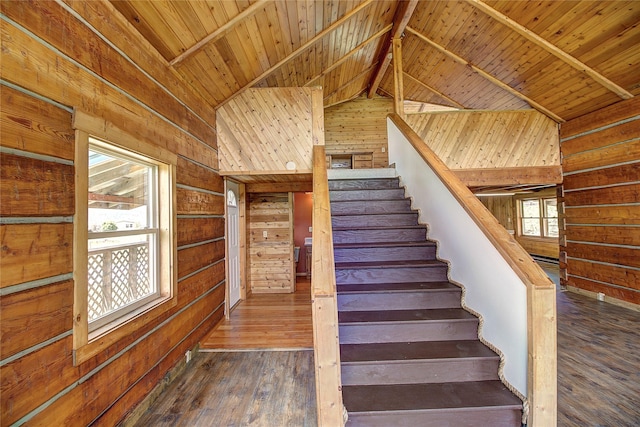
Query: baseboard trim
x,y
607,298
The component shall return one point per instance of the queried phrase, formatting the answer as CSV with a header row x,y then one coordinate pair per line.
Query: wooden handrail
x,y
323,294
541,302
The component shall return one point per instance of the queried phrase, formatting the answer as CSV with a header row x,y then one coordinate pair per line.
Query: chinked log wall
x,y
600,241
53,61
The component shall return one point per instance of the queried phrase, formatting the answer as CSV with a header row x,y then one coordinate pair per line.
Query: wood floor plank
x,y
257,388
598,363
266,321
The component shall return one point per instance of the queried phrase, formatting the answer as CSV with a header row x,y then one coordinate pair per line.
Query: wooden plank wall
x,y
270,234
53,61
600,241
503,208
261,130
489,139
357,126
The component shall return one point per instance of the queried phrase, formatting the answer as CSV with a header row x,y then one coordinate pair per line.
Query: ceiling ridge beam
x,y
551,48
221,31
301,49
350,54
430,89
487,76
403,14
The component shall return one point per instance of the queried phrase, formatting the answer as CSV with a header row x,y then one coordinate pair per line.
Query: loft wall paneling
x,y
359,126
270,233
54,59
267,131
600,232
493,147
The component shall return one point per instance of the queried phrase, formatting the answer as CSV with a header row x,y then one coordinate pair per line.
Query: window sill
x,y
104,337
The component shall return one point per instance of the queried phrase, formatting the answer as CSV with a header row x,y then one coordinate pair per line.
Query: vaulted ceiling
x,y
563,58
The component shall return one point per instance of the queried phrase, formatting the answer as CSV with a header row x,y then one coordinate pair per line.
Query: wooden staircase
x,y
410,354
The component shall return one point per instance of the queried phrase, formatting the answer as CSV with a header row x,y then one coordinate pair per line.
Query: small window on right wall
x,y
539,217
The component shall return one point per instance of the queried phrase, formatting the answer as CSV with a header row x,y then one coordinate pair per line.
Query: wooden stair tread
x,y
402,212
397,287
433,396
386,316
380,227
421,350
389,264
403,244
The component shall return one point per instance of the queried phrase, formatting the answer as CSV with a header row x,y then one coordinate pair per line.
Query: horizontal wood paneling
x,y
265,129
35,251
194,175
33,187
358,126
34,316
544,247
192,202
605,273
622,194
270,257
603,215
600,198
485,139
55,26
60,60
49,72
193,230
602,177
197,257
33,125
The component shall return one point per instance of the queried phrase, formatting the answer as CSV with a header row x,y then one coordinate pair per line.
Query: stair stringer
x,y
525,406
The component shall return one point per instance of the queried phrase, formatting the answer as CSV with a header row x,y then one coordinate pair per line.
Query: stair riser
x,y
371,207
363,184
399,301
381,220
467,417
391,275
384,254
379,236
401,332
423,371
391,193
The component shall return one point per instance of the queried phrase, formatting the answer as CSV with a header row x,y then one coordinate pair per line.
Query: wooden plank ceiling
x,y
564,58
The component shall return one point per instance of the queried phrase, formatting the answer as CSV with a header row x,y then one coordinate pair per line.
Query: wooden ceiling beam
x,y
510,176
486,75
430,89
301,49
350,54
220,32
551,48
403,14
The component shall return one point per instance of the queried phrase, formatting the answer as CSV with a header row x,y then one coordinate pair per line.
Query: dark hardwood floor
x,y
248,388
598,363
598,378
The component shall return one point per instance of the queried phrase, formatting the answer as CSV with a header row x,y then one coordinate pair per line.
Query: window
x,y
539,217
123,234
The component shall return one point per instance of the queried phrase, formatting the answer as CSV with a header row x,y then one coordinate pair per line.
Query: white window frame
x,y
543,220
152,231
89,341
